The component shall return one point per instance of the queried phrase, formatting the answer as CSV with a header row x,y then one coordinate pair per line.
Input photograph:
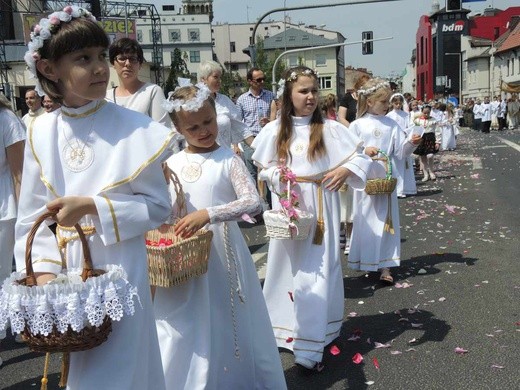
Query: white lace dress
x,y
214,330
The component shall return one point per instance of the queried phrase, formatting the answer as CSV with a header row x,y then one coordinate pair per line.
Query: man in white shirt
x,y
477,115
34,102
495,106
486,115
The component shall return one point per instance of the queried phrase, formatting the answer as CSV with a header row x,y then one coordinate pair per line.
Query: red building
x,y
438,55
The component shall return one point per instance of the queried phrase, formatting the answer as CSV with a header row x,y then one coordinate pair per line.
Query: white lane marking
x,y
476,161
509,143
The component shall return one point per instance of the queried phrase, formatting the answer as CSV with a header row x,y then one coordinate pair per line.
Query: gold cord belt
x,y
63,241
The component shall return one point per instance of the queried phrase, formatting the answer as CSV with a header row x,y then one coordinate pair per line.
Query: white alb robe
x,y
199,322
404,171
371,248
127,185
304,282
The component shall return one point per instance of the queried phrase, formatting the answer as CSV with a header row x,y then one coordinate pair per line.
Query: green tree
x,y
231,83
178,68
265,61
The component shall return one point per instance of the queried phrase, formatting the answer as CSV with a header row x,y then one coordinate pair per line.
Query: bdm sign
x,y
115,28
456,27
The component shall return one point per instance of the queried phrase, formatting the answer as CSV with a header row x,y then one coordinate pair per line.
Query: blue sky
x,y
398,19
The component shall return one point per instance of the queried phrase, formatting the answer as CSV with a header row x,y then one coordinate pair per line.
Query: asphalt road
x,y
458,287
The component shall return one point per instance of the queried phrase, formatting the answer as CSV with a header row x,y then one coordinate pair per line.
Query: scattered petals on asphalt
x,y
334,350
411,350
380,345
422,271
354,338
461,351
414,340
475,176
451,209
442,299
361,303
403,285
376,363
369,383
352,314
289,340
497,366
403,319
357,358
416,325
396,353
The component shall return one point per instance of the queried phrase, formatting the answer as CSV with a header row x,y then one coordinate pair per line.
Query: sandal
x,y
386,276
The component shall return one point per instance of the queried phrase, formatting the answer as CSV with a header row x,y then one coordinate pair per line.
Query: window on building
x,y
193,34
174,35
292,38
233,67
512,66
213,42
194,56
321,60
140,36
293,61
305,38
232,47
325,82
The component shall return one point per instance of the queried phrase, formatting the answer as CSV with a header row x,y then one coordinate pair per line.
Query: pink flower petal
x,y
334,350
461,351
414,340
352,314
289,340
451,209
416,325
395,352
497,366
369,383
376,363
380,345
357,358
248,218
354,338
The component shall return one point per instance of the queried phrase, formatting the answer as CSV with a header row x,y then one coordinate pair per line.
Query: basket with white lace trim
x,y
278,225
72,312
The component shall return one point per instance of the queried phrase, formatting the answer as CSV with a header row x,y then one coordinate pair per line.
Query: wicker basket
x,y
277,225
180,259
70,341
382,186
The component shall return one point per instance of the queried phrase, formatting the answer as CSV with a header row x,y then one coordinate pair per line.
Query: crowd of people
x,y
98,157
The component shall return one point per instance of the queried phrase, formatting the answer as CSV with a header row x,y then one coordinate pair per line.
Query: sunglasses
x,y
259,80
122,59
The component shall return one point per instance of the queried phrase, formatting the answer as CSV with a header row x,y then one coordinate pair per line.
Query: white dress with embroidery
x,y
214,330
404,168
131,197
371,247
231,129
304,282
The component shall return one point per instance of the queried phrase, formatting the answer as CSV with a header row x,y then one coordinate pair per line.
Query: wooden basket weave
x,y
70,341
382,186
182,259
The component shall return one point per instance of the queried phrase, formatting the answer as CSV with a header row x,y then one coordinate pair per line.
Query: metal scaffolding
x,y
109,9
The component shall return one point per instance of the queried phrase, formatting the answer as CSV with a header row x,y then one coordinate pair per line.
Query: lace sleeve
x,y
247,202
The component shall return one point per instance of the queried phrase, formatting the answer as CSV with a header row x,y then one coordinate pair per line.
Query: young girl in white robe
x,y
214,330
304,281
404,168
376,240
99,165
446,125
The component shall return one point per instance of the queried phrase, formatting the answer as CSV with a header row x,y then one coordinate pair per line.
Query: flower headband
x,y
368,91
44,30
294,75
397,94
194,104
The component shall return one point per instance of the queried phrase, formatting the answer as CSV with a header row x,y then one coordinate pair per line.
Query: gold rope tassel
x,y
65,363
45,368
389,225
320,224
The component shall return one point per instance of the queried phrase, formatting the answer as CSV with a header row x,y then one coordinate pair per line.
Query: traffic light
x,y
453,5
367,47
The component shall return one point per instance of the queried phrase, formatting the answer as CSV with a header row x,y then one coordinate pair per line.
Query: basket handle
x,y
386,160
88,267
181,198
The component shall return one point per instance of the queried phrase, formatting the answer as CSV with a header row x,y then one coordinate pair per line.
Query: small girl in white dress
x,y
214,330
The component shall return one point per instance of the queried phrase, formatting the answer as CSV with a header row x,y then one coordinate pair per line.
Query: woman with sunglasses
x,y
126,55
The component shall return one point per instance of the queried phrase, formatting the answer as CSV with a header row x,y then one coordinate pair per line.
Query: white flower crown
x,y
368,91
44,30
194,104
307,72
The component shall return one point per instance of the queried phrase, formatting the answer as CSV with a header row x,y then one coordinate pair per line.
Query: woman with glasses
x,y
126,55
